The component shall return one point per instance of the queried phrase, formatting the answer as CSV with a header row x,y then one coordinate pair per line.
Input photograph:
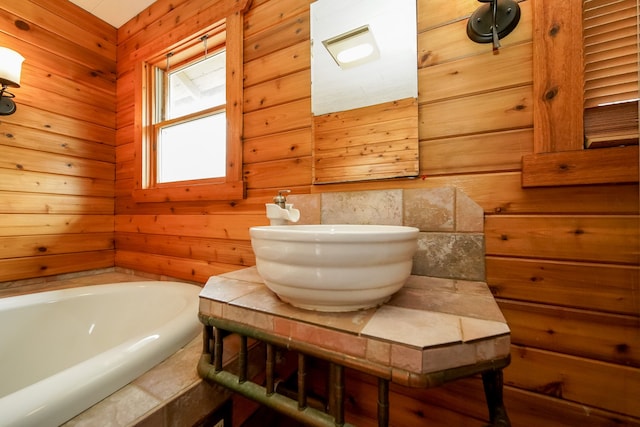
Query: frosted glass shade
x,y
10,67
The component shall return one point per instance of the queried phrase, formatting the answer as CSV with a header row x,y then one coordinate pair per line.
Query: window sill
x,y
190,193
581,167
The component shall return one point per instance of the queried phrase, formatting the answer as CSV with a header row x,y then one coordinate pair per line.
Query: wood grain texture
x,y
596,166
562,260
57,159
557,75
376,142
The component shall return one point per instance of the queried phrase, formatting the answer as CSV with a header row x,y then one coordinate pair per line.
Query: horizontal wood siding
x,y
57,152
375,142
562,261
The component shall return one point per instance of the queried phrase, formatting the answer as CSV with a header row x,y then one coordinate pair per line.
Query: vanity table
x,y
430,332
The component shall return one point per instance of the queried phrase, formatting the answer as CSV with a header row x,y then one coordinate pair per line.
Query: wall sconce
x,y
353,48
10,69
492,21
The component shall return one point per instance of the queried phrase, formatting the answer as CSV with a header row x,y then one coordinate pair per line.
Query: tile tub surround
x,y
451,240
430,325
170,394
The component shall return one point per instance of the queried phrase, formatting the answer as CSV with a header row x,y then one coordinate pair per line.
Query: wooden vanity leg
x,y
492,381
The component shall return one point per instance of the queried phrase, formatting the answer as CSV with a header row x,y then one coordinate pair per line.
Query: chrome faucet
x,y
281,199
280,212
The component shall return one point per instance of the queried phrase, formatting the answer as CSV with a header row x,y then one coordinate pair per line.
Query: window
x,y
189,135
189,112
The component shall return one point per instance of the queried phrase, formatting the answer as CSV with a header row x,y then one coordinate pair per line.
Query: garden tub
x,y
63,351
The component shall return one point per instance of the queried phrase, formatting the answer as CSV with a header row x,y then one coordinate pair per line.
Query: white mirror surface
x,y
391,76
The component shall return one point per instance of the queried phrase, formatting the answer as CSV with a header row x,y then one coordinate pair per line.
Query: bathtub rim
x,y
147,349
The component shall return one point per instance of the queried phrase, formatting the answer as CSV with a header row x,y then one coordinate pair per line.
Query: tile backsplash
x,y
451,241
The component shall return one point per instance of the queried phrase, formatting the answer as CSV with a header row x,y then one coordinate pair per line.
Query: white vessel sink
x,y
334,267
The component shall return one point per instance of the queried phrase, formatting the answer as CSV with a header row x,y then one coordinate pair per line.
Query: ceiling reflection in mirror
x,y
375,53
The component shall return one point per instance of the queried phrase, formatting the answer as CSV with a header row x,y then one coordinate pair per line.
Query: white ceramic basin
x,y
334,267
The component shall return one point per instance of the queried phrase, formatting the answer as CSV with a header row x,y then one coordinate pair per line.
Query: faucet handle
x,y
281,199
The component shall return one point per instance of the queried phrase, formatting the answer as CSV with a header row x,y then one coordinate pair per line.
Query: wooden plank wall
x,y
375,142
57,157
563,261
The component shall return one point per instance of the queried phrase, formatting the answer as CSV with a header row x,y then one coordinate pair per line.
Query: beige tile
x,y
472,287
455,303
469,214
413,327
214,308
503,345
439,358
119,409
309,206
329,339
249,274
379,351
382,207
262,299
282,326
430,209
351,321
223,289
204,306
406,358
450,255
186,410
429,282
171,377
484,350
478,329
252,318
156,418
493,348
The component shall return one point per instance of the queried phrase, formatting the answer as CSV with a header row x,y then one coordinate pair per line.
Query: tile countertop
x,y
431,325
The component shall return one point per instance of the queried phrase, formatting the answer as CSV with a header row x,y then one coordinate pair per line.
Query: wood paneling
x,y
185,268
562,260
50,265
485,152
280,118
375,142
606,386
218,226
591,286
602,336
57,161
503,110
558,50
581,167
17,136
483,73
598,238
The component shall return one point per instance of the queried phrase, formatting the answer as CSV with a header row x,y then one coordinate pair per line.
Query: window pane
x,y
193,150
197,87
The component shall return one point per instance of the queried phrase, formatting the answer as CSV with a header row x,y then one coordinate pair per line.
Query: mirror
x,y
364,88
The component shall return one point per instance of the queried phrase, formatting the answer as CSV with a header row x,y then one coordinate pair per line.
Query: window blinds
x,y
610,29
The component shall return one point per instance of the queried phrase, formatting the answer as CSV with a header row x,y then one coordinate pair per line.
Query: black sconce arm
x,y
492,21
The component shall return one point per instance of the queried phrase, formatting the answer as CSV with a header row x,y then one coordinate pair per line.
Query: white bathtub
x,y
63,351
